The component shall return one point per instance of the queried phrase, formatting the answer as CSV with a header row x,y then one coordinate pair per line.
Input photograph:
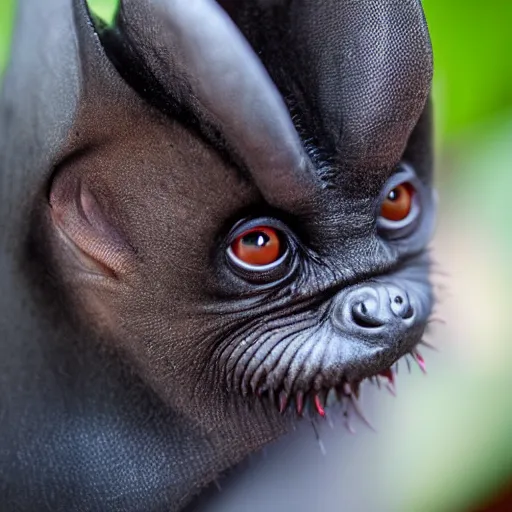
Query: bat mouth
x,y
314,360
344,395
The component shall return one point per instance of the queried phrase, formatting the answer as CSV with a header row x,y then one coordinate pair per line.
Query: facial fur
x,y
165,292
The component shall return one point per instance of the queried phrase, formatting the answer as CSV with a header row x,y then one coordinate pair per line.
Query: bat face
x,y
230,259
206,287
240,206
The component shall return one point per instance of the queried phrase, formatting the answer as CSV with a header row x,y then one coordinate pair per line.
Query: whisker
x,y
428,345
358,410
319,441
436,319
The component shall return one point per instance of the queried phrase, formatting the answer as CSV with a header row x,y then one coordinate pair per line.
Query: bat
x,y
215,220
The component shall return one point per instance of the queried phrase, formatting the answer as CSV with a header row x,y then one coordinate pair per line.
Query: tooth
x,y
421,362
346,389
354,386
388,374
319,407
283,401
299,402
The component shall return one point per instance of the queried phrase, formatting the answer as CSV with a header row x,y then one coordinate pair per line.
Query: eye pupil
x,y
398,203
256,239
259,246
394,195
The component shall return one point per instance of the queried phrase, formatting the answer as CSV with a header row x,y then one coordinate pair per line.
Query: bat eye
x,y
398,203
258,247
405,210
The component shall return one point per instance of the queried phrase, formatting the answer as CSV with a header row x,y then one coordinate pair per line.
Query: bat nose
x,y
373,307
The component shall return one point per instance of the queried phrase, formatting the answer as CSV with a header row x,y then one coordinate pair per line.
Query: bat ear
x,y
190,59
370,69
56,71
358,72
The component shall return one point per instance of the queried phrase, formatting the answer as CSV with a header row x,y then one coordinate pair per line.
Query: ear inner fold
x,y
85,229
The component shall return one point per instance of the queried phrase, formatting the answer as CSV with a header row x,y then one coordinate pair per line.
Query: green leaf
x,y
104,9
472,42
6,18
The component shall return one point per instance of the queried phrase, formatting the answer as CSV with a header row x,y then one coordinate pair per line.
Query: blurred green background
x,y
460,421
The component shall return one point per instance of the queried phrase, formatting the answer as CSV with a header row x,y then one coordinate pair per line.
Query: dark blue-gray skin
x,y
196,244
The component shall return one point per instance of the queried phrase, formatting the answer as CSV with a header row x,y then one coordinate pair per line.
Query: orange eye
x,y
258,246
398,203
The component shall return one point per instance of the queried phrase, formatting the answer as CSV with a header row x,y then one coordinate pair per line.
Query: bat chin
x,y
303,365
307,364
337,381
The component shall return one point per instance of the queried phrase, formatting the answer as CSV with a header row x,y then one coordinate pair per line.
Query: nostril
x,y
402,307
364,314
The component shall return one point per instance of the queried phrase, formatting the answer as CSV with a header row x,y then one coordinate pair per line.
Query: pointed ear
x,y
195,58
369,69
357,72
